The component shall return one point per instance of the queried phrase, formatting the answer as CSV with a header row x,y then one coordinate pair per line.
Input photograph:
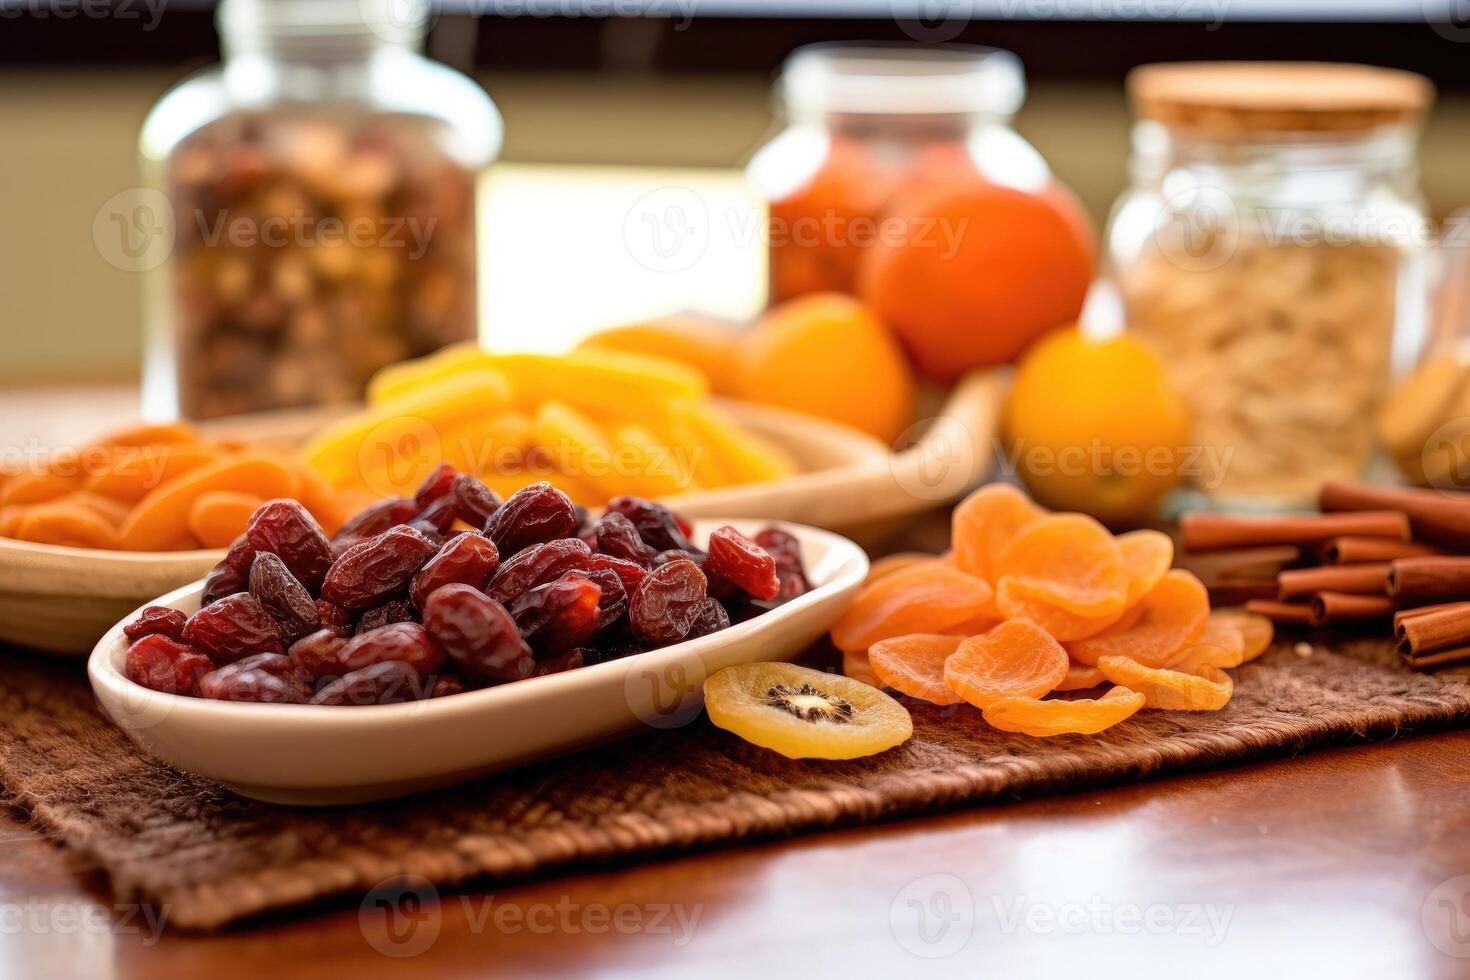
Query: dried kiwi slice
x,y
804,713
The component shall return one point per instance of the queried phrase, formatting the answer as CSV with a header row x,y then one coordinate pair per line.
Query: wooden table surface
x,y
1344,863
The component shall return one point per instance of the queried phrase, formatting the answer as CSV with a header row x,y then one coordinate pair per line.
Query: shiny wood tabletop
x,y
1344,863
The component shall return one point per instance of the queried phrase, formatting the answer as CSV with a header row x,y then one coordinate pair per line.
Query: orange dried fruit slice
x,y
1016,659
984,525
975,625
914,665
1219,644
883,567
1256,631
927,598
855,665
804,713
1080,677
1169,617
1172,690
1061,624
1069,561
1044,719
1146,557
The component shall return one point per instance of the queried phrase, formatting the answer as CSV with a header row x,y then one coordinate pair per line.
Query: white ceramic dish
x,y
308,755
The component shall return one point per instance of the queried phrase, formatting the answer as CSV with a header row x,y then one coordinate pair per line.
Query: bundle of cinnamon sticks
x,y
1374,557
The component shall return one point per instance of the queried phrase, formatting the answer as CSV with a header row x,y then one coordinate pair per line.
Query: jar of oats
x,y
322,184
1271,249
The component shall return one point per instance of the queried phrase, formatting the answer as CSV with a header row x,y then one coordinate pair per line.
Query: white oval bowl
x,y
310,755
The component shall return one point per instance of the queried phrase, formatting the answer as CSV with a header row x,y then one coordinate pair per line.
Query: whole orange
x,y
978,272
826,354
1094,425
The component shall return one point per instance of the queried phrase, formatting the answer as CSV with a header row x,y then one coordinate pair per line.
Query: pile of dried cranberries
x,y
398,606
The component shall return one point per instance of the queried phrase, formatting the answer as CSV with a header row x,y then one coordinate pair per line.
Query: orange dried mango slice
x,y
1146,557
1069,561
37,487
1080,677
1219,644
914,665
1256,631
161,519
220,516
923,599
66,523
1169,617
1044,719
1172,690
1016,659
984,525
137,471
1060,623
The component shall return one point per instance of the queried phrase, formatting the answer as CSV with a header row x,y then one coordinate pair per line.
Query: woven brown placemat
x,y
211,857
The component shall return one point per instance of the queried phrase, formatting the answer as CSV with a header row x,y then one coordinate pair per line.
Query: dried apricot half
x,y
1080,677
1219,644
1069,561
1172,690
897,562
1016,659
927,598
1060,717
914,664
855,665
804,713
1170,616
1061,624
1256,631
1146,556
985,523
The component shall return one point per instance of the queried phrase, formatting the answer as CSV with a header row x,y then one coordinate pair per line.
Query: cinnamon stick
x,y
1291,613
1207,532
1438,577
1437,516
1440,658
1403,614
1434,628
1352,550
1332,608
1357,579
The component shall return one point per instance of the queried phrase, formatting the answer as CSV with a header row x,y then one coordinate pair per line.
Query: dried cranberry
x,y
664,607
220,684
392,611
445,685
630,573
561,663
406,642
617,536
470,558
537,565
436,486
656,524
473,501
389,682
711,619
162,663
318,654
156,621
558,615
531,515
287,529
735,558
477,633
333,616
255,684
377,567
283,597
786,549
224,580
694,555
377,519
234,627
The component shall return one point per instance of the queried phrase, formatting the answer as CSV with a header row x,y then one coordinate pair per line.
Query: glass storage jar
x,y
322,184
863,122
1271,248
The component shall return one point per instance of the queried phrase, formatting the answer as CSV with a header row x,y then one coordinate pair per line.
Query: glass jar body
x,y
324,224
1281,279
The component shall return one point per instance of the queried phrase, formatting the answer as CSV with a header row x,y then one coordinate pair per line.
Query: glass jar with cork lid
x,y
322,185
1271,248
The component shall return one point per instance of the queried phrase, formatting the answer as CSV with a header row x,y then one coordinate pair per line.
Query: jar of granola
x,y
1271,248
322,187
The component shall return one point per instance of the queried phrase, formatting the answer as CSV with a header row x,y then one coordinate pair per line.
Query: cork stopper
x,y
1246,97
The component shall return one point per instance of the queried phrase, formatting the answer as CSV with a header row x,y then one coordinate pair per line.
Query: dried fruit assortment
x,y
1032,605
451,589
155,488
597,423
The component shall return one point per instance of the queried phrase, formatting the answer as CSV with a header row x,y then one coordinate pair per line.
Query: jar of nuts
x,y
322,186
1271,248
